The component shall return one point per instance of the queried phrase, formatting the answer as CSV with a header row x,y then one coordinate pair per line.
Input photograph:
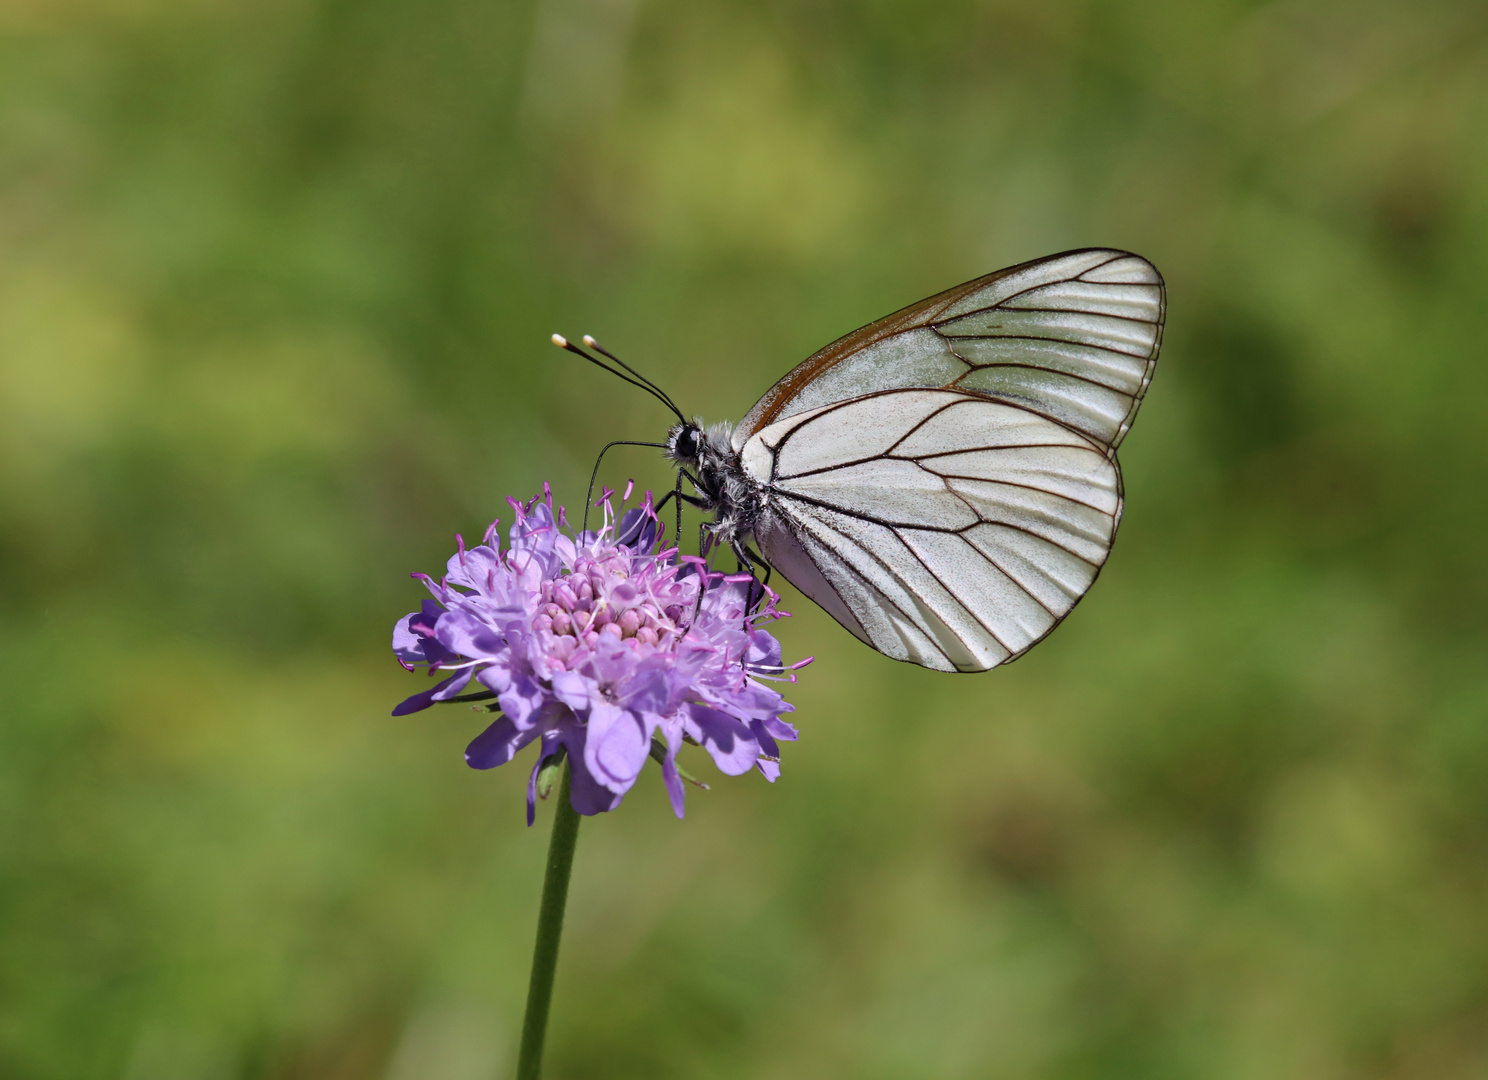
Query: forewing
x,y
938,526
1073,337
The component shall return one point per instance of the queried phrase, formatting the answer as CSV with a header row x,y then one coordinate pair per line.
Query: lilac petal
x,y
532,542
750,700
475,568
532,789
637,530
771,769
498,744
497,678
611,660
768,746
615,748
764,650
408,646
427,617
649,689
586,795
462,632
780,728
448,688
455,684
725,737
413,637
676,790
575,691
522,700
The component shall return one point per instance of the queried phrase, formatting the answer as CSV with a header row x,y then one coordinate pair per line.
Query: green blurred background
x,y
276,282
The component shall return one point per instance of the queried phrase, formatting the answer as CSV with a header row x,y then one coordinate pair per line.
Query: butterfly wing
x,y
1072,337
938,526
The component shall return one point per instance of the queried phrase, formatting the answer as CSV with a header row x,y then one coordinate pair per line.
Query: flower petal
x,y
637,530
523,700
413,637
476,569
497,678
575,691
781,729
725,737
767,744
616,747
447,689
498,744
676,790
586,795
463,633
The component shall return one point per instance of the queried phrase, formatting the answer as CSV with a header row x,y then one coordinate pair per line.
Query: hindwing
x,y
939,526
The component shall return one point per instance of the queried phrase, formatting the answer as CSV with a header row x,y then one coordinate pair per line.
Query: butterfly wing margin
x,y
937,526
1074,337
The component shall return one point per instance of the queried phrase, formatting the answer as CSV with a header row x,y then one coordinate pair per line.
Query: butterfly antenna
x,y
597,347
563,343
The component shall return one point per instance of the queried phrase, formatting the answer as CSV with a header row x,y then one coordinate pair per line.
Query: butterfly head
x,y
684,442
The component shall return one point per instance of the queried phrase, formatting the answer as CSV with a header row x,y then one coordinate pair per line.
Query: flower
x,y
603,647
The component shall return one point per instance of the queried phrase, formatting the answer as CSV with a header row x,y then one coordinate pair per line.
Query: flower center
x,y
601,597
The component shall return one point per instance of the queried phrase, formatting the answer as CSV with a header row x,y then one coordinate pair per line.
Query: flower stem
x,y
549,930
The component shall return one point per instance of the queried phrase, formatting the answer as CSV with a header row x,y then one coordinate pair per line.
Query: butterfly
x,y
943,481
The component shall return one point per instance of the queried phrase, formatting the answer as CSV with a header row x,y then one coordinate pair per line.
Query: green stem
x,y
549,930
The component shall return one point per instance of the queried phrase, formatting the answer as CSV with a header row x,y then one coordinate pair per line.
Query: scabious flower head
x,y
603,646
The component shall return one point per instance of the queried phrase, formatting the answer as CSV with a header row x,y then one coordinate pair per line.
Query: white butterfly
x,y
944,481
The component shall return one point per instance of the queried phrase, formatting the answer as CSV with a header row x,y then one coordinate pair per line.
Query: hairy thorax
x,y
736,500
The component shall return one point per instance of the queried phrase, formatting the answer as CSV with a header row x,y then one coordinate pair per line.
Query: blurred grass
x,y
276,281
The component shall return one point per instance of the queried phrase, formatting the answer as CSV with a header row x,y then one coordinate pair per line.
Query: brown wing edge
x,y
922,313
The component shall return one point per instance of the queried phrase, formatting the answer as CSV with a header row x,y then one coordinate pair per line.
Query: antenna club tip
x,y
589,341
560,341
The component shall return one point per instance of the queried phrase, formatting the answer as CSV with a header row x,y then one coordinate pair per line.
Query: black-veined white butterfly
x,y
942,481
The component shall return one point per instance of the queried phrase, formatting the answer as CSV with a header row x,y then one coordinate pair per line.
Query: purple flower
x,y
599,646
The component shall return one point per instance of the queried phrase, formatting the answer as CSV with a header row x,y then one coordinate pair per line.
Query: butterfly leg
x,y
701,570
681,497
748,560
677,491
758,560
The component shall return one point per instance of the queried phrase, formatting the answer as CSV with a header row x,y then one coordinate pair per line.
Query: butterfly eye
x,y
687,443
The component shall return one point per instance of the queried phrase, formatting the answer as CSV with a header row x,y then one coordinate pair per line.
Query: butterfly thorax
x,y
721,486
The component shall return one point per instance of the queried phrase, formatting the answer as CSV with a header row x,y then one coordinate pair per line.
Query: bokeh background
x,y
276,282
